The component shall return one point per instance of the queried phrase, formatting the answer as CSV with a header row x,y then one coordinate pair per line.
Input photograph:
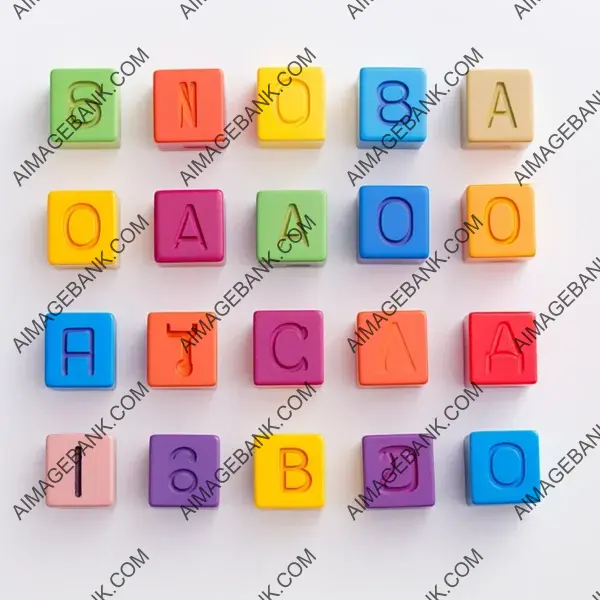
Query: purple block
x,y
179,466
412,483
288,347
189,227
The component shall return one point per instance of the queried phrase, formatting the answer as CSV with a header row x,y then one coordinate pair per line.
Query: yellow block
x,y
296,117
81,227
289,472
508,215
498,109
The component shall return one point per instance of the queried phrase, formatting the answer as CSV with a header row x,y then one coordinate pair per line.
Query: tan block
x,y
498,109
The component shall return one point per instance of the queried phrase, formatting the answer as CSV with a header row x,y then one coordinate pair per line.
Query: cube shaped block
x,y
189,108
393,350
501,348
179,465
288,347
401,468
182,350
507,213
393,223
289,472
497,109
82,227
501,467
388,98
81,351
291,226
81,469
85,108
189,227
295,118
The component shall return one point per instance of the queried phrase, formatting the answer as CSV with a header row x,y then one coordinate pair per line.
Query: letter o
x,y
295,62
289,402
389,203
465,565
461,407
507,211
132,400
295,110
289,569
123,236
462,62
123,567
86,217
127,62
464,231
507,464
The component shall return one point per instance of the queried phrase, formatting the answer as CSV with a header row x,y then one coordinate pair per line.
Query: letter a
x,y
292,217
194,231
504,344
500,94
397,353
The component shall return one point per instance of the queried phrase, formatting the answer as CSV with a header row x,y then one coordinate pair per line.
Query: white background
x,y
235,551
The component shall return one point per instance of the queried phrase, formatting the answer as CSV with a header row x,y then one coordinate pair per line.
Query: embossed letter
x,y
504,345
501,234
501,95
87,219
301,334
196,234
73,351
298,468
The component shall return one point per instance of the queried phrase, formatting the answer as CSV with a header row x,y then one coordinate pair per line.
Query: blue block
x,y
501,467
390,98
393,223
81,351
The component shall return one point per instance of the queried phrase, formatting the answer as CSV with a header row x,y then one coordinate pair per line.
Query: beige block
x,y
498,109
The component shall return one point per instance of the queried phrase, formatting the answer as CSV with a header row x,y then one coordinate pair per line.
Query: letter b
x,y
239,453
239,119
572,454
573,287
74,289
294,475
406,286
575,122
239,286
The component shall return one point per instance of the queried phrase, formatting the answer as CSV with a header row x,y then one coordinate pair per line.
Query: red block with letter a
x,y
500,348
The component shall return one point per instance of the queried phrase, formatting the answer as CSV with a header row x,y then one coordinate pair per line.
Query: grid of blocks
x,y
291,230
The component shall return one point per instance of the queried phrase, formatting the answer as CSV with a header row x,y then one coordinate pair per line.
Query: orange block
x,y
508,215
393,350
189,108
182,350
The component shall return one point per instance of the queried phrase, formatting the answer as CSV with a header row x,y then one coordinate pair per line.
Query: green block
x,y
88,96
292,226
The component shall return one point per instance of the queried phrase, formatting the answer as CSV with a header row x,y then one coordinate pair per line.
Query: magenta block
x,y
402,465
288,347
189,227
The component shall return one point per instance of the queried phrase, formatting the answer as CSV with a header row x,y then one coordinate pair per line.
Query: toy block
x,y
81,470
81,351
178,466
182,350
189,108
501,467
189,227
288,347
82,226
393,223
500,348
87,104
296,117
507,213
289,472
388,103
392,349
498,109
291,226
398,470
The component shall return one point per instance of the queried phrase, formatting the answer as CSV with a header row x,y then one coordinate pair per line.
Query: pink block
x,y
189,227
288,347
85,479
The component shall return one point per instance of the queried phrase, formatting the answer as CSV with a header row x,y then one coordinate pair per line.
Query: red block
x,y
494,356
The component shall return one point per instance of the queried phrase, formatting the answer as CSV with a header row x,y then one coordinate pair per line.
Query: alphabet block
x,y
388,98
189,227
295,115
181,466
81,228
393,223
399,467
189,108
182,350
291,226
508,215
501,349
86,104
393,349
88,476
289,472
498,109
80,351
501,467
288,347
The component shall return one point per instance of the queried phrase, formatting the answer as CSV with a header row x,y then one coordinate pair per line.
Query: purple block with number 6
x,y
182,465
398,471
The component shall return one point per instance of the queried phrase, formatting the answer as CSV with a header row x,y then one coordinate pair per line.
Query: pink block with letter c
x,y
288,347
90,482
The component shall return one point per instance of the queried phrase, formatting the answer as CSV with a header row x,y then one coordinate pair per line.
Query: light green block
x,y
292,226
89,96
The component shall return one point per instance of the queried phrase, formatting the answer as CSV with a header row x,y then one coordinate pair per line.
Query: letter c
x,y
302,332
